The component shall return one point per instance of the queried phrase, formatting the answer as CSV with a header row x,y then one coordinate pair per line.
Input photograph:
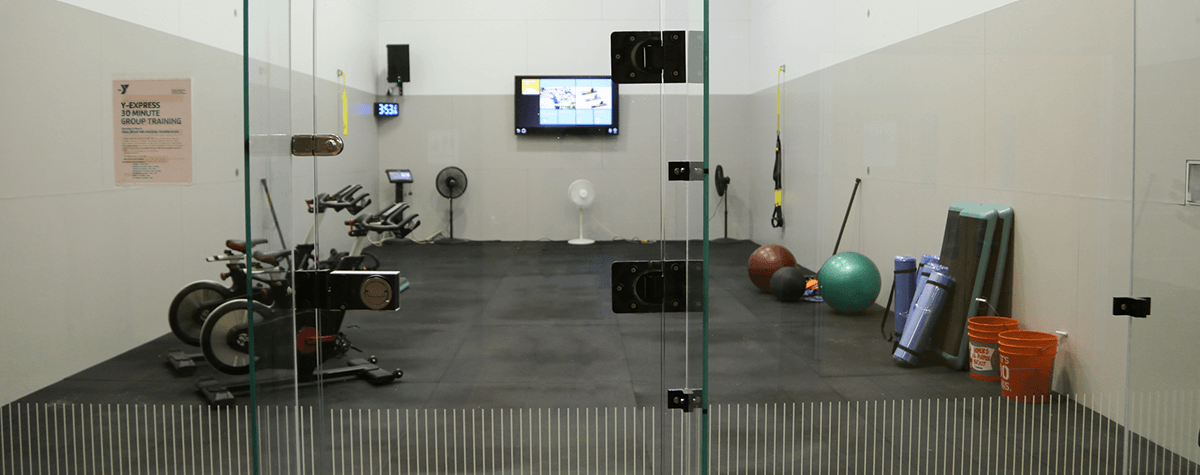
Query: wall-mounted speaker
x,y
398,64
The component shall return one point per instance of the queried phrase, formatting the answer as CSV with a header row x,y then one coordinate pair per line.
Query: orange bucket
x,y
996,324
1028,338
1027,364
983,335
985,357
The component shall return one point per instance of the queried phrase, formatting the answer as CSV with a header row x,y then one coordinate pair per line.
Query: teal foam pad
x,y
998,264
967,246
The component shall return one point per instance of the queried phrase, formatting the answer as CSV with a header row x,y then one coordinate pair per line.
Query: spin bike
x,y
194,302
342,200
298,341
292,344
222,337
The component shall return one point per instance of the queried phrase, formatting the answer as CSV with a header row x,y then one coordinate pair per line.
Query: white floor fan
x,y
582,193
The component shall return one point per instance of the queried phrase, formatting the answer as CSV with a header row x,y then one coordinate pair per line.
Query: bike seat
x,y
240,244
271,258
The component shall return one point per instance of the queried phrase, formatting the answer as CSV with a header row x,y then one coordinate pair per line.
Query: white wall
x,y
1029,105
345,25
457,110
470,47
216,23
1166,262
811,35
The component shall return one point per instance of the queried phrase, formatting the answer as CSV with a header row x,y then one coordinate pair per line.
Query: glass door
x,y
281,221
507,353
684,379
1164,381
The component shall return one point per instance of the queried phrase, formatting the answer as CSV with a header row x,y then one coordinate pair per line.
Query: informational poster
x,y
152,131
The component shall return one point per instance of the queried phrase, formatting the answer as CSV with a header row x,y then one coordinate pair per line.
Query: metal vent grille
x,y
1068,435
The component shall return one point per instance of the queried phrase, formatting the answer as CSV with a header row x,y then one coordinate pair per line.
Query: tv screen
x,y
561,105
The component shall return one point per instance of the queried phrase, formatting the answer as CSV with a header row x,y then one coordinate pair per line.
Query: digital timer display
x,y
387,109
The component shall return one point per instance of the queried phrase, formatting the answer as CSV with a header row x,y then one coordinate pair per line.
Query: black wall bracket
x,y
657,286
649,57
1137,307
686,171
685,399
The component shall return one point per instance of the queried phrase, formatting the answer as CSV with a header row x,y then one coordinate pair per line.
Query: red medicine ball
x,y
765,261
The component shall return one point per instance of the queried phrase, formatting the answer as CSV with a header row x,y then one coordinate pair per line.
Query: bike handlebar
x,y
390,220
343,199
341,192
393,212
347,193
401,229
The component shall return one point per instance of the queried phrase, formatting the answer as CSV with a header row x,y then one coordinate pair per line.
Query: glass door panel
x,y
513,358
962,110
1164,381
275,212
684,321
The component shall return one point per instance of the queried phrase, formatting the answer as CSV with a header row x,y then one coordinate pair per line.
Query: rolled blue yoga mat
x,y
906,286
927,259
923,272
920,323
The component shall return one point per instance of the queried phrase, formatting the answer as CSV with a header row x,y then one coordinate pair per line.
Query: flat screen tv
x,y
566,105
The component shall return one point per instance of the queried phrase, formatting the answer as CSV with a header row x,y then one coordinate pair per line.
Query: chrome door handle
x,y
325,145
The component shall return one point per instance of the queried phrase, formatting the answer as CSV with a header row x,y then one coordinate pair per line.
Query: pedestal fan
x,y
722,183
582,193
451,183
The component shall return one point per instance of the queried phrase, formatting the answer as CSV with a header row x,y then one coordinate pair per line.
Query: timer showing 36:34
x,y
387,109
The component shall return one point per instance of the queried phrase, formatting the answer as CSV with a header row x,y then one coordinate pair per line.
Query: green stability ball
x,y
849,282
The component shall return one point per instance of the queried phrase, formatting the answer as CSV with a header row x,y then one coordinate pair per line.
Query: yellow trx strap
x,y
345,106
777,215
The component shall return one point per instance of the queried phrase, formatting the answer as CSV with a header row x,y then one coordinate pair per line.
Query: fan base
x,y
581,241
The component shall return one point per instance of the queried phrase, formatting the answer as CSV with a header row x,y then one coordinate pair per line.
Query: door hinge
x,y
656,57
657,286
685,399
326,145
686,171
1137,307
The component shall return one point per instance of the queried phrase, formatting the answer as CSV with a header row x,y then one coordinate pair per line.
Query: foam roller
x,y
906,286
923,272
920,323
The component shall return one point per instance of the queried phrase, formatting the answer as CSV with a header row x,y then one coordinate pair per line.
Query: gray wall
x,y
1028,105
1166,261
517,185
92,267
